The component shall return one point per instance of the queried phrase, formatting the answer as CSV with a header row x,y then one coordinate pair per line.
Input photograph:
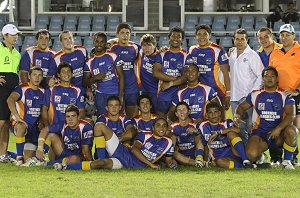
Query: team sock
x,y
85,165
100,147
20,142
288,151
238,144
12,154
233,164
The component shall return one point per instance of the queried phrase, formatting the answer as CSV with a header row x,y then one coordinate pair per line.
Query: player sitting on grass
x,y
71,142
186,138
274,113
147,150
226,146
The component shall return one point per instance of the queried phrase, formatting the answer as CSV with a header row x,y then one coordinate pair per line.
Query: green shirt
x,y
9,60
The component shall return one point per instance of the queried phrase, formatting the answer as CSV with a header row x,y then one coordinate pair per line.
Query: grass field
x,y
182,182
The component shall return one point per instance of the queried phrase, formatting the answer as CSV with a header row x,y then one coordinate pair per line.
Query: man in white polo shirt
x,y
245,73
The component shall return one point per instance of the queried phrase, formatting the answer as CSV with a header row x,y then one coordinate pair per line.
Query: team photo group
x,y
134,105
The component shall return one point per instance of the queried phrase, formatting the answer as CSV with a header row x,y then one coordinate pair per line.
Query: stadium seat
x,y
99,19
277,25
248,19
233,19
77,40
71,19
56,47
259,25
84,27
69,26
192,41
226,42
56,19
88,40
163,41
56,41
136,39
295,25
189,28
98,27
220,19
29,40
40,25
55,27
113,19
260,18
111,27
191,19
19,41
231,27
253,41
42,19
248,26
84,19
218,26
204,19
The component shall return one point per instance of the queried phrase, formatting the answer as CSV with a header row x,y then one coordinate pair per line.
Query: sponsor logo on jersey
x,y
57,99
261,106
28,103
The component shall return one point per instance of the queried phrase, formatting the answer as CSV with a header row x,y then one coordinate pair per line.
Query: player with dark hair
x,y
25,104
274,113
223,140
169,69
105,69
147,150
41,56
186,138
70,141
128,52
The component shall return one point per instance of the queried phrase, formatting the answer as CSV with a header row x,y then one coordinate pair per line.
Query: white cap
x,y
287,28
10,29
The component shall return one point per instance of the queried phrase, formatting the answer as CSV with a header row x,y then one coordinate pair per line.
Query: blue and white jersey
x,y
118,127
268,109
144,126
58,97
184,141
105,63
196,97
73,139
154,148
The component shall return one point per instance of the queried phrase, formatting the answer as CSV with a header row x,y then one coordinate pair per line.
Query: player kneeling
x,y
70,142
186,138
226,146
147,150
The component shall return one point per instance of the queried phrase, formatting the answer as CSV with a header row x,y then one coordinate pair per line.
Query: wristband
x,y
42,139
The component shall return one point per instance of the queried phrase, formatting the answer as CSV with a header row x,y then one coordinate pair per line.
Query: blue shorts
x,y
224,153
131,99
117,150
101,101
153,97
31,133
265,136
163,106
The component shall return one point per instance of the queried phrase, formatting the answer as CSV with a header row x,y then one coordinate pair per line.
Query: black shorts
x,y
12,80
297,104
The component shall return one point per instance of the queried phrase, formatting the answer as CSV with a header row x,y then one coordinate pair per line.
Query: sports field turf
x,y
182,182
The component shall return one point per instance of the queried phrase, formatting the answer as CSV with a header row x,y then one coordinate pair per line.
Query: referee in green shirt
x,y
9,65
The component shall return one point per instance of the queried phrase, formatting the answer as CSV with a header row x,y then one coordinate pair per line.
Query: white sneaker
x,y
59,166
275,164
287,164
263,159
7,159
248,164
34,162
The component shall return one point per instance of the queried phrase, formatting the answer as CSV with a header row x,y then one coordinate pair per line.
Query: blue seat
x,y
88,40
213,39
260,18
295,25
113,19
191,19
231,27
84,19
226,42
192,41
99,19
77,40
260,24
69,26
56,19
85,28
136,39
234,20
55,27
218,26
42,19
56,47
98,27
248,19
277,26
71,19
163,41
248,26
220,19
205,19
29,40
111,27
189,28
19,41
40,25
253,41
56,40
